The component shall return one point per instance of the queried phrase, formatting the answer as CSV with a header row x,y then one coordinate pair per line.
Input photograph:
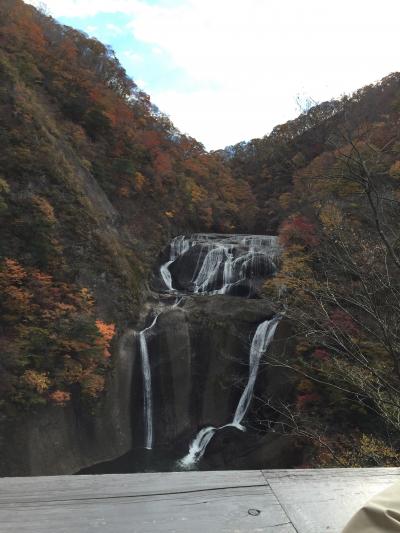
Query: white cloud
x,y
246,60
114,29
85,8
133,56
90,29
250,58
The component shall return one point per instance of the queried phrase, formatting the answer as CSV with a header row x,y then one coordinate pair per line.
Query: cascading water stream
x,y
147,387
225,262
262,339
179,245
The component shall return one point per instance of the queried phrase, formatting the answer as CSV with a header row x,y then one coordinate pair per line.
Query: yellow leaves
x,y
44,207
86,297
198,194
37,381
394,170
285,200
139,180
93,385
295,275
377,450
170,214
4,187
331,217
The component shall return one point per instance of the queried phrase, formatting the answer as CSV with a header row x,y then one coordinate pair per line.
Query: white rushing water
x,y
220,263
147,387
223,260
262,339
179,245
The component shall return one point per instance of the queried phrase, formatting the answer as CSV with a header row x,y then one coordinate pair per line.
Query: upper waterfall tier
x,y
219,263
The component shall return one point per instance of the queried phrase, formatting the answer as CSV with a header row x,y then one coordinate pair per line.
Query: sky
x,y
226,71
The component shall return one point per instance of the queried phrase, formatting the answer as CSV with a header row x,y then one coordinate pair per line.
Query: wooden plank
x,y
271,501
29,489
234,502
325,499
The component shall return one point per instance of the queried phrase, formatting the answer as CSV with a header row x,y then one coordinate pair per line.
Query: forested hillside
x,y
330,181
94,180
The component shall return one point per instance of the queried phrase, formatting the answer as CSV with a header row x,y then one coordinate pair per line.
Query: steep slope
x,y
329,182
93,181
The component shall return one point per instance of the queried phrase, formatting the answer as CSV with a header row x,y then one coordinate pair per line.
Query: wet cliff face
x,y
203,354
219,264
185,368
200,362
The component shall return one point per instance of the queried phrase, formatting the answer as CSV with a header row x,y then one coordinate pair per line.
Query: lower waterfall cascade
x,y
203,265
261,340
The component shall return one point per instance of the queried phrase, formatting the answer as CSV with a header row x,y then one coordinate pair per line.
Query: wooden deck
x,y
278,501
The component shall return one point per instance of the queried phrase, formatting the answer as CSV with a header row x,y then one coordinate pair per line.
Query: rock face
x,y
198,354
220,264
200,357
56,440
186,370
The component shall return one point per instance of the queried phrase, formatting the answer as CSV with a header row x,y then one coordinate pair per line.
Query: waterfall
x,y
228,274
223,260
218,263
209,269
261,340
179,245
147,387
198,446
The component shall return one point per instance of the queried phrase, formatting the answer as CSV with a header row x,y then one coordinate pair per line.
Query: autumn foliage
x,y
52,344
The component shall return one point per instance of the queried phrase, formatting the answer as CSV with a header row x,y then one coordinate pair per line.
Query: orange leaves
x,y
60,397
150,139
107,332
13,271
44,207
53,324
163,164
68,50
